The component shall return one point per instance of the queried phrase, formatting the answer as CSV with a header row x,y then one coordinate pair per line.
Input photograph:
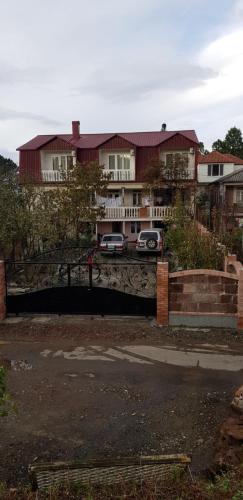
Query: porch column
x,y
124,227
2,291
151,224
123,195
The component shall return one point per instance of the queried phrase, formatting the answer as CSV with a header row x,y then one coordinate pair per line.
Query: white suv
x,y
150,240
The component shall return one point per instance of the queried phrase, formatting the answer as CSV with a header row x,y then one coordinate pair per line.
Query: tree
x,y
188,246
32,219
202,149
233,143
7,166
173,174
75,201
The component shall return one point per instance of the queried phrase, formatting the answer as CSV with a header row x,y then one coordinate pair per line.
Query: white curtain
x,y
109,202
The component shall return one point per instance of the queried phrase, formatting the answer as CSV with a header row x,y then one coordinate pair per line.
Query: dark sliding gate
x,y
105,288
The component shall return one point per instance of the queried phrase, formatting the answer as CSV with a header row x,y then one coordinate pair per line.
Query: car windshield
x,y
148,235
112,237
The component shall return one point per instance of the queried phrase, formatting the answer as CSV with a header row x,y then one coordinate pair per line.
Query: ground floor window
x,y
135,227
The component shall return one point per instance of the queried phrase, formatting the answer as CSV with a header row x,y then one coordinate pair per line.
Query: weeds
x,y
228,486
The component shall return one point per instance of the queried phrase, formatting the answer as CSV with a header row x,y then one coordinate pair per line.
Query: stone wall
x,y
203,291
200,297
2,292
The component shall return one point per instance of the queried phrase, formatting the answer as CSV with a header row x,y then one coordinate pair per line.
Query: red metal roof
x,y
217,157
92,141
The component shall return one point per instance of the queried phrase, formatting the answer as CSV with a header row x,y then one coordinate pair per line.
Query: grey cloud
x,y
11,114
14,75
134,82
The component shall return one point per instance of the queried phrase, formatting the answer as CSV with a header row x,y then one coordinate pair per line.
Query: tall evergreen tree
x,y
233,143
7,166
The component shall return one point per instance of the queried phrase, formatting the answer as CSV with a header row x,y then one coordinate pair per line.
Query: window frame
x,y
60,162
239,192
211,167
122,162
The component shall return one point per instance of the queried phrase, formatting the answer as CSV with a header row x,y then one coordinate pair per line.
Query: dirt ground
x,y
113,329
73,408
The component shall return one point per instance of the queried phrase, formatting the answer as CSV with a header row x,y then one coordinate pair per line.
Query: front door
x,y
117,227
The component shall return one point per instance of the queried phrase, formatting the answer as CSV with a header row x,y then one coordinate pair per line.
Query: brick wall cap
x,y
207,272
198,313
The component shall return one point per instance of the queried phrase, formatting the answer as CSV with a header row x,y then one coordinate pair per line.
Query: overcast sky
x,y
125,65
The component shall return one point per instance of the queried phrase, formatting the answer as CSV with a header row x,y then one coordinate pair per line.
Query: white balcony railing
x,y
126,213
121,175
115,175
52,176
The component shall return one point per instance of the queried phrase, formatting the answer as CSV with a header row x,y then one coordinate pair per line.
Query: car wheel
x,y
151,244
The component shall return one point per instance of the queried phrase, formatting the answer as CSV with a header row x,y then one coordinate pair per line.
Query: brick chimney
x,y
75,130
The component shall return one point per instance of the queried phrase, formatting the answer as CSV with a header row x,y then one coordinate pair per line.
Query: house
x,y
216,165
125,156
227,198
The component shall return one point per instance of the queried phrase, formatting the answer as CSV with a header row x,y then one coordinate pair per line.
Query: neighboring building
x,y
125,156
215,165
227,197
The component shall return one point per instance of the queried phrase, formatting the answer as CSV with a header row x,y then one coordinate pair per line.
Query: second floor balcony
x,y
120,175
138,213
115,175
52,176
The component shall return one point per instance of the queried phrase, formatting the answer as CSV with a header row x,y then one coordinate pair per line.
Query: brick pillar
x,y
240,301
163,293
2,291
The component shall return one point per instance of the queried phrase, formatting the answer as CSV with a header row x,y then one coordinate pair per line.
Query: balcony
x,y
120,175
52,176
139,213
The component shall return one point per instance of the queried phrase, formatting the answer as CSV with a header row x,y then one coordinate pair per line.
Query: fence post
x,y
240,301
2,291
163,293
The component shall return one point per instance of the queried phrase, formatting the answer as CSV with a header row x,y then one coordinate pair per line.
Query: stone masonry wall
x,y
203,291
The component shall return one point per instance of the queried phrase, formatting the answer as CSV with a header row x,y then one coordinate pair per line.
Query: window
x,y
177,165
148,235
135,227
136,198
60,162
215,170
69,161
119,161
110,237
112,162
113,195
239,196
176,157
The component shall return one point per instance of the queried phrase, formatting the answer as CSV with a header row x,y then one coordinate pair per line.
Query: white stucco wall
x,y
202,172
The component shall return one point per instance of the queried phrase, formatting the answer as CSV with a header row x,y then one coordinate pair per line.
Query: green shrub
x,y
188,246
